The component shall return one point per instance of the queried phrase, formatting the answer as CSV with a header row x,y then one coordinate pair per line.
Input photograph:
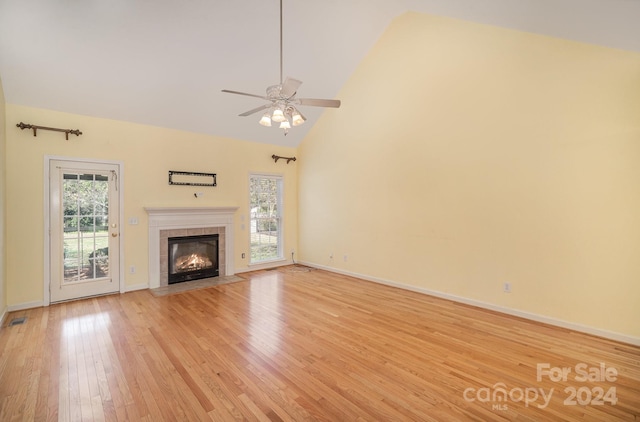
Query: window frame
x,y
279,178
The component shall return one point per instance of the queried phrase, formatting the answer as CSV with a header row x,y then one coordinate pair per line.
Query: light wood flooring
x,y
295,345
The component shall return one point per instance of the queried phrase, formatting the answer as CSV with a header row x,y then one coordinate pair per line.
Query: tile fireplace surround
x,y
163,221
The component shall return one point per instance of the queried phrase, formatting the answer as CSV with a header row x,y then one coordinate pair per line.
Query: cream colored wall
x,y
3,188
148,154
466,156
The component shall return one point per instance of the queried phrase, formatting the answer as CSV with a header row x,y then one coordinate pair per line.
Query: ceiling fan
x,y
282,104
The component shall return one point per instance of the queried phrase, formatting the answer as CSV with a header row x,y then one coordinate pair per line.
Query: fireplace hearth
x,y
192,258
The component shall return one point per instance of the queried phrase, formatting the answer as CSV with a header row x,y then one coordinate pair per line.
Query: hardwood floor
x,y
293,345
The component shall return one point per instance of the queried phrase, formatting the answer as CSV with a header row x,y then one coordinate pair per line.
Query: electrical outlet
x,y
507,287
132,269
344,258
331,255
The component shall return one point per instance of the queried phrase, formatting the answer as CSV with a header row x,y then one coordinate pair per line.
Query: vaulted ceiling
x,y
164,62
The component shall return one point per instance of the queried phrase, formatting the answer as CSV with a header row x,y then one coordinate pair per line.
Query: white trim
x,y
264,265
3,316
47,229
169,218
134,287
611,335
25,305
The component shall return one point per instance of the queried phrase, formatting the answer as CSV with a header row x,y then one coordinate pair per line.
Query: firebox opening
x,y
192,258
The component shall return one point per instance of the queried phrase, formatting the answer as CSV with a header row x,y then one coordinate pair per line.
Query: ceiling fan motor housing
x,y
273,92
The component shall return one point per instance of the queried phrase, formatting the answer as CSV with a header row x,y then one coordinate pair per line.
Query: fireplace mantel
x,y
168,218
169,212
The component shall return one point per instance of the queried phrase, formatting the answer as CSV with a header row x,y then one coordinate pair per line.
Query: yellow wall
x,y
466,156
3,187
148,154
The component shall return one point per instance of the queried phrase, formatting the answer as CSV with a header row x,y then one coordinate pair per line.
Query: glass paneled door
x,y
84,229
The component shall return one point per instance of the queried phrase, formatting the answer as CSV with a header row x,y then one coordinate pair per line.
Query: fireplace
x,y
169,222
192,258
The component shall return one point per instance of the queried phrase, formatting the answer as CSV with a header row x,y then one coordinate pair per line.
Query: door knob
x,y
114,234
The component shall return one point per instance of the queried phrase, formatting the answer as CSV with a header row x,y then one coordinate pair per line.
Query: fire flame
x,y
192,262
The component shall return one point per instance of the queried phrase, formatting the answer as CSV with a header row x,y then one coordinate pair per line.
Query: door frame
x,y
47,212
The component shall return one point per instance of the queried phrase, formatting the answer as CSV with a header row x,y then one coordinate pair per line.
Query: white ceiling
x,y
164,62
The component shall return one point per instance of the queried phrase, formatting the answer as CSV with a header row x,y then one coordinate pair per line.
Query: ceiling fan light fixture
x,y
285,124
265,120
278,116
296,118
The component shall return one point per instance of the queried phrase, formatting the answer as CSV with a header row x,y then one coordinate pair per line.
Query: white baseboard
x,y
134,287
3,316
26,305
509,311
271,264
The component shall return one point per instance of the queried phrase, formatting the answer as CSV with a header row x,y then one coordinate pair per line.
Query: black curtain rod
x,y
277,157
36,127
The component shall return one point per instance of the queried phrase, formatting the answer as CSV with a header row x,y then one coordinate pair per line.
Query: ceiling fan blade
x,y
244,93
255,110
289,87
319,103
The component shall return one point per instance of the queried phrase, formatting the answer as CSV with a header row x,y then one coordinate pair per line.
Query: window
x,y
265,205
